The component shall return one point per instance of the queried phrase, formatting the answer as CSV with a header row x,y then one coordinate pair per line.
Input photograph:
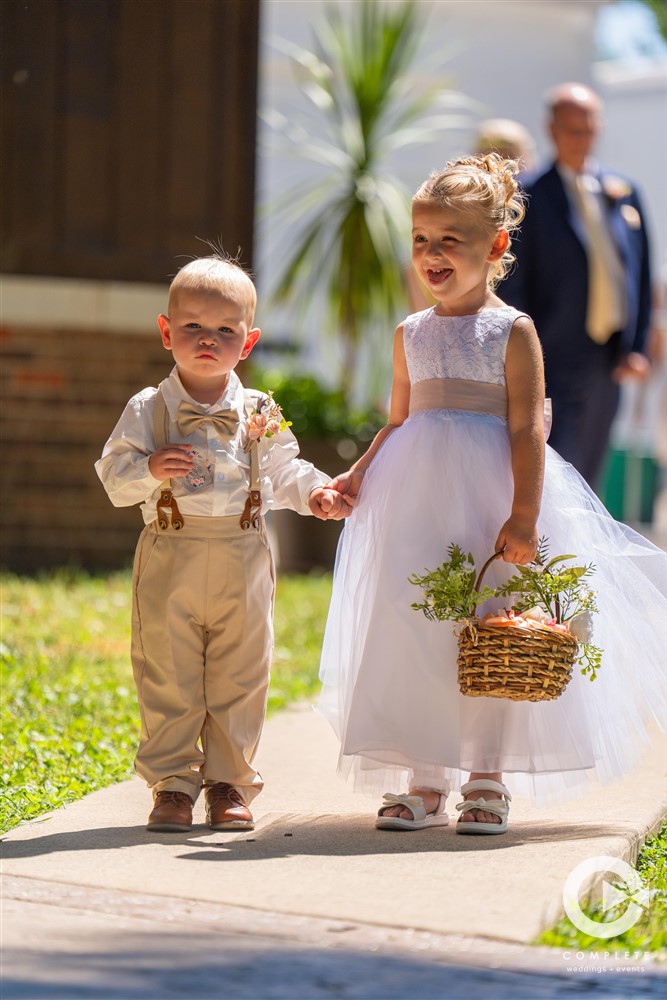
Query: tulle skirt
x,y
389,674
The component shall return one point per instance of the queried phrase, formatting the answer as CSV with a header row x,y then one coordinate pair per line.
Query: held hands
x,y
171,462
328,505
337,499
518,540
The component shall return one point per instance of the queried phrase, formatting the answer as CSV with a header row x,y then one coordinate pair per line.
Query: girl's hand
x,y
171,462
348,484
518,540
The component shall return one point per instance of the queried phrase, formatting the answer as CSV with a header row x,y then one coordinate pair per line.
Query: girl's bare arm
x,y
524,373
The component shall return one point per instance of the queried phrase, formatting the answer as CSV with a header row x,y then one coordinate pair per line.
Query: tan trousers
x,y
202,636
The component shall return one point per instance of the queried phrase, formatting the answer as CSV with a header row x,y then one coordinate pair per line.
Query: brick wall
x,y
62,393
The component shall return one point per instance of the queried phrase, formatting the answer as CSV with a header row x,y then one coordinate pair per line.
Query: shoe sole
x,y
481,829
233,824
169,828
396,823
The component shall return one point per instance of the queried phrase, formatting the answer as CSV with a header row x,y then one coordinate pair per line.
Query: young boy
x,y
205,458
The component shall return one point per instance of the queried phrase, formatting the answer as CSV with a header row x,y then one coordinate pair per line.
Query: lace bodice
x,y
465,347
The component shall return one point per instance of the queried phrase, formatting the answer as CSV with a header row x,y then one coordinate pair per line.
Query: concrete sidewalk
x,y
314,877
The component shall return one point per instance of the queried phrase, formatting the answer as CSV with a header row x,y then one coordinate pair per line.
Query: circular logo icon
x,y
633,892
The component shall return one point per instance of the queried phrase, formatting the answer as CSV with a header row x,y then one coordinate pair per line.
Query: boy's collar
x,y
174,391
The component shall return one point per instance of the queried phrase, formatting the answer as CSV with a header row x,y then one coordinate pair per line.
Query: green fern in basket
x,y
449,591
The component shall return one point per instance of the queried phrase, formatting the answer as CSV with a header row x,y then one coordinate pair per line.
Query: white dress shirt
x,y
218,484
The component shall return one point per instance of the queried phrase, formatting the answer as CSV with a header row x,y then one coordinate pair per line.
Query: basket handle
x,y
496,555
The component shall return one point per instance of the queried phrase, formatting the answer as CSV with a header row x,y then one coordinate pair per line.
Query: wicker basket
x,y
512,662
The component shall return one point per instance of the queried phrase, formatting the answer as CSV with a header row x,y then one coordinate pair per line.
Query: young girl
x,y
462,459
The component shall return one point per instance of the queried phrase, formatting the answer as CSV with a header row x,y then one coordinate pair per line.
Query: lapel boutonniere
x,y
266,420
615,188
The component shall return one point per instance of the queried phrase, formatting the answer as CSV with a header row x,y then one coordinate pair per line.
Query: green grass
x,y
649,934
70,719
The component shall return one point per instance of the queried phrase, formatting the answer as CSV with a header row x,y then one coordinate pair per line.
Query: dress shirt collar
x,y
591,171
173,392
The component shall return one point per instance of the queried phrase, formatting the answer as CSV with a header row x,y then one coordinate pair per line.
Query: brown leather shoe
x,y
172,813
225,808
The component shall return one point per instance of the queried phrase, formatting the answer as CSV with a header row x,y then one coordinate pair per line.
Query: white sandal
x,y
499,807
421,820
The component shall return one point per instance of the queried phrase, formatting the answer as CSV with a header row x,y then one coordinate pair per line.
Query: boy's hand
x,y
171,462
328,505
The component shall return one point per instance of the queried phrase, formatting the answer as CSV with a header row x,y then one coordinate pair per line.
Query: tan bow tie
x,y
225,422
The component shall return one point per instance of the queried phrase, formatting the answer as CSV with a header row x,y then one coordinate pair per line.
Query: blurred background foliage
x,y
315,411
351,218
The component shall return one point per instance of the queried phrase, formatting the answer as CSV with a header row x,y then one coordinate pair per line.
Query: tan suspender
x,y
253,504
167,501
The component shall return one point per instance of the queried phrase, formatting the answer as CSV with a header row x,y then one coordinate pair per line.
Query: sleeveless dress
x,y
389,674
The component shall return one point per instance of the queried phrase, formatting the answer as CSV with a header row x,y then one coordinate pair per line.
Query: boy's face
x,y
208,334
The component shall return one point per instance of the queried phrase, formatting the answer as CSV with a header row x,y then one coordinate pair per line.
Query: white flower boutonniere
x,y
615,188
266,420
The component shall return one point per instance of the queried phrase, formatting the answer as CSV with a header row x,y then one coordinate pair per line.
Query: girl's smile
x,y
453,255
439,276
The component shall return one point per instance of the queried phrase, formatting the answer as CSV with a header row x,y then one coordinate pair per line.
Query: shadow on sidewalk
x,y
182,965
297,834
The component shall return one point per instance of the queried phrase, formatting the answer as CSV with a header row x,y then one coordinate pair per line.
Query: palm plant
x,y
352,223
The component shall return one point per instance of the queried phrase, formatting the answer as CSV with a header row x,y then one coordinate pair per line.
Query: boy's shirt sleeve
x,y
292,478
123,467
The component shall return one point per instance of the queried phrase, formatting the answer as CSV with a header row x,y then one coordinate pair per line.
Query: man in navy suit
x,y
582,274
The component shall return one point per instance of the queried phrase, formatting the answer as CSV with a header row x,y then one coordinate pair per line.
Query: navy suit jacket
x,y
550,278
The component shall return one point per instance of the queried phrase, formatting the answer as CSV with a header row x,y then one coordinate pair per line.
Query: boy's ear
x,y
165,330
500,245
251,340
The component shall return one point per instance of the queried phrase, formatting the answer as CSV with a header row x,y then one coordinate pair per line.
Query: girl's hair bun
x,y
484,186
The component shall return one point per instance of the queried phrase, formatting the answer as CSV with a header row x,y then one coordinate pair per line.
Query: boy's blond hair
x,y
217,273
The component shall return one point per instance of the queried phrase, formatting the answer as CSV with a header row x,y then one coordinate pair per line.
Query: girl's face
x,y
452,255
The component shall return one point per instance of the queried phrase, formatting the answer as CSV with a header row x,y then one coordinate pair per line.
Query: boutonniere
x,y
615,188
266,420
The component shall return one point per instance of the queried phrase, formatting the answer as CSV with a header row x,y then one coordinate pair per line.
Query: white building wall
x,y
634,141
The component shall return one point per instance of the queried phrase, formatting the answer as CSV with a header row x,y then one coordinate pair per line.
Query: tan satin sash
x,y
466,394
459,394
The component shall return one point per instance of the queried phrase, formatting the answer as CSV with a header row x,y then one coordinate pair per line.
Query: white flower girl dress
x,y
389,674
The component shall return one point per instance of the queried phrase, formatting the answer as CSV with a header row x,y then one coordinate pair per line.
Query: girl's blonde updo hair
x,y
485,188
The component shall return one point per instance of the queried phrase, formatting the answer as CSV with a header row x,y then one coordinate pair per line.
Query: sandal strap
x,y
495,806
414,803
486,785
